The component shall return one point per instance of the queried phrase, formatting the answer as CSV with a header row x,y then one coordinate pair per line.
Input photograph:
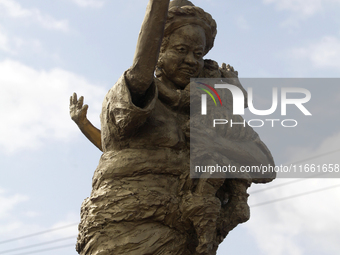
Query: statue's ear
x,y
158,71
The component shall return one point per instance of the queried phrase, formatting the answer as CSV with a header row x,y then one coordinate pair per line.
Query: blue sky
x,y
50,49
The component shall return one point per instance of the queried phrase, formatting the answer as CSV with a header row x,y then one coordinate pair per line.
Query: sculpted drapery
x,y
143,200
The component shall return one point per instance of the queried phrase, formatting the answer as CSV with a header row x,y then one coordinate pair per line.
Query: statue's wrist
x,y
82,123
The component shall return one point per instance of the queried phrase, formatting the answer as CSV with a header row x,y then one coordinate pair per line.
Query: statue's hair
x,y
185,15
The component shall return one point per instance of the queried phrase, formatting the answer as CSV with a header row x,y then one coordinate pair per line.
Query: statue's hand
x,y
77,110
228,71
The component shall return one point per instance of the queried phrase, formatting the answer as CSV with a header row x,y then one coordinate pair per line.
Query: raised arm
x,y
141,73
78,115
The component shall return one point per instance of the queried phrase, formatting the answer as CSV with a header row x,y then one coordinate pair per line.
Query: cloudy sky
x,y
50,49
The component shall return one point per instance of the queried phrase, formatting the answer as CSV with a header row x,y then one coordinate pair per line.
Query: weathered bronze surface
x,y
143,200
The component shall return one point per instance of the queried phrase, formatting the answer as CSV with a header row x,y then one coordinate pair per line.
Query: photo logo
x,y
239,99
204,97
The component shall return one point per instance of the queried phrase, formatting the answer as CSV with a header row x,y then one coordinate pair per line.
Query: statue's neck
x,y
169,84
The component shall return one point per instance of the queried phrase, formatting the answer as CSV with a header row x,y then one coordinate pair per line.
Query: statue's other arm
x,y
78,114
141,74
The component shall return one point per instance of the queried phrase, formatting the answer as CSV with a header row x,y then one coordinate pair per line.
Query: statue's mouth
x,y
188,71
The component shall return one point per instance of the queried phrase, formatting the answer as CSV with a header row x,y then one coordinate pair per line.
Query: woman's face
x,y
183,56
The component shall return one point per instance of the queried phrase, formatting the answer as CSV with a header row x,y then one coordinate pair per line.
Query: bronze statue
x,y
143,200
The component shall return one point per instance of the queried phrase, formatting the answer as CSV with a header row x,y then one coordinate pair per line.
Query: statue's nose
x,y
190,59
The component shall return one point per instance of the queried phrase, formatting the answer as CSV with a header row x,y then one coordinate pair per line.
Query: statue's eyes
x,y
181,49
199,54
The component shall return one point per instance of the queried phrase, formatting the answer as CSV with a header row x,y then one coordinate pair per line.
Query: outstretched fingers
x,y
73,99
84,109
80,102
78,110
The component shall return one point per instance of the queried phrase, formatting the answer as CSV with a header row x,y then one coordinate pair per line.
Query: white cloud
x,y
9,202
34,105
31,214
301,225
297,226
303,7
13,9
17,223
16,45
4,41
70,220
10,224
89,3
322,54
329,144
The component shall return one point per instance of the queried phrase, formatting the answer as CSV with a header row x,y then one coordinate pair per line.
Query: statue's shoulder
x,y
211,69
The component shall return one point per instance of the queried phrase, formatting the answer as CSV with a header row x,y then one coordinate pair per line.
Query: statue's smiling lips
x,y
188,71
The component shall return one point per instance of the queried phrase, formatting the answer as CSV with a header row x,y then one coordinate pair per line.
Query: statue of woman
x,y
143,200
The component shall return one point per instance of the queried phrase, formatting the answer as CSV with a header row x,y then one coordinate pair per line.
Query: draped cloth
x,y
143,200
